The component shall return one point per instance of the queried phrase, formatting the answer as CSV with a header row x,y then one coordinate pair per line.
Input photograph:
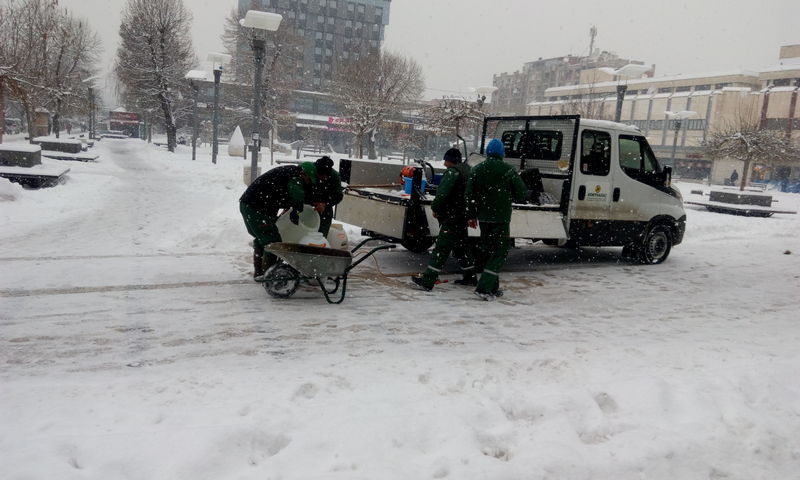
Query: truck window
x,y
637,160
595,153
533,144
542,144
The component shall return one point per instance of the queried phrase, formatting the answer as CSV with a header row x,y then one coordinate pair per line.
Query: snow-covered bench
x,y
38,176
65,145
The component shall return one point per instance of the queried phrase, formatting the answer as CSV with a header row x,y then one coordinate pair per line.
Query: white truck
x,y
602,186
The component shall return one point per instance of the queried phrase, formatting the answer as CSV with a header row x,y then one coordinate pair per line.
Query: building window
x,y
360,8
329,36
665,90
330,20
683,89
698,88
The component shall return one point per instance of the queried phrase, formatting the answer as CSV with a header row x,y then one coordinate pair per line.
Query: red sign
x,y
124,117
338,124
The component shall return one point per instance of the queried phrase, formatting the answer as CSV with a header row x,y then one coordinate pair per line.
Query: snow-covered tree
x,y
154,54
452,116
744,139
374,87
45,52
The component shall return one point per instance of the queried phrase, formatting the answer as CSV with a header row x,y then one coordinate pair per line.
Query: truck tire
x,y
656,245
417,244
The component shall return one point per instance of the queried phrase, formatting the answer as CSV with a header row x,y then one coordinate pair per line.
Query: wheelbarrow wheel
x,y
329,284
282,281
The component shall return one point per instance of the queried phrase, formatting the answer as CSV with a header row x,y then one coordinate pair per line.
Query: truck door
x,y
639,192
591,190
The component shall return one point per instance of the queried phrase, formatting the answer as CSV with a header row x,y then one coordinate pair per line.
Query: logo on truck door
x,y
597,195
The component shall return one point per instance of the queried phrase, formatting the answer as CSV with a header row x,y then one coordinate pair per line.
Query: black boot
x,y
258,263
469,278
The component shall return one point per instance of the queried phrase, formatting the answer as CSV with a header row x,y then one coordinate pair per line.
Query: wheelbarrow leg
x,y
341,292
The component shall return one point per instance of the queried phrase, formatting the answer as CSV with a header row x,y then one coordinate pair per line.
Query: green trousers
x,y
494,247
261,225
452,238
325,220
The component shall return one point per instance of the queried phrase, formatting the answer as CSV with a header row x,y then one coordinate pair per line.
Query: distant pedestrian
x,y
69,128
734,177
492,187
449,208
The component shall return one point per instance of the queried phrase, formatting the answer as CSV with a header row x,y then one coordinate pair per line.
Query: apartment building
x,y
517,89
768,96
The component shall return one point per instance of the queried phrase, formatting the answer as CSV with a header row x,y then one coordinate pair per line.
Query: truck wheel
x,y
656,245
281,281
418,244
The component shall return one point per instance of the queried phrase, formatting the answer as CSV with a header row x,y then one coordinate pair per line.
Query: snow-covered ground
x,y
134,345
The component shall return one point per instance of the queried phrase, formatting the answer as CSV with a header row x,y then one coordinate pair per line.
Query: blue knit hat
x,y
495,149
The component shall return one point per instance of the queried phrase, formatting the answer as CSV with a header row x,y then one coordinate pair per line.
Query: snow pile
x,y
236,145
9,191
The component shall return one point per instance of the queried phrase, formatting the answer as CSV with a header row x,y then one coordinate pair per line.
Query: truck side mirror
x,y
667,176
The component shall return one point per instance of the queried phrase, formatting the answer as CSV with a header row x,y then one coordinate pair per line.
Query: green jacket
x,y
450,204
493,185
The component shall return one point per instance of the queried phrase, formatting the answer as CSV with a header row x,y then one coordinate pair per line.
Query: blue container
x,y
437,178
407,181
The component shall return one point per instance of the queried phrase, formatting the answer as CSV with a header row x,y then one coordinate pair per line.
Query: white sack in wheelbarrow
x,y
305,232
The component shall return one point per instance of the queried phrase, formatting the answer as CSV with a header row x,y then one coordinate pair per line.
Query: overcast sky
x,y
461,43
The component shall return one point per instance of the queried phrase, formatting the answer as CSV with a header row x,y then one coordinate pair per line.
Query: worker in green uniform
x,y
328,191
283,187
493,185
449,208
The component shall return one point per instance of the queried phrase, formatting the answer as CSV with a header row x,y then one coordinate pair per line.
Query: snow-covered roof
x,y
668,78
119,109
608,124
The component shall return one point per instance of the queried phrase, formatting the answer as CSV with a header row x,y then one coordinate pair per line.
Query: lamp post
x,y
630,70
678,118
217,60
192,76
258,21
90,85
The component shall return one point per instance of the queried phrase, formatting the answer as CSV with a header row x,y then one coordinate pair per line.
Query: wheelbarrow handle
x,y
363,242
367,255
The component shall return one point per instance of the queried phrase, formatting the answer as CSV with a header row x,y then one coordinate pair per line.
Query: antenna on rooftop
x,y
592,35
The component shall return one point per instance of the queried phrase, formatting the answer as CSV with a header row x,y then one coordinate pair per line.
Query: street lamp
x,y
678,118
90,84
217,61
258,21
630,70
193,76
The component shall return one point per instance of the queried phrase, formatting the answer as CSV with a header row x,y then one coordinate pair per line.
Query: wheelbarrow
x,y
304,263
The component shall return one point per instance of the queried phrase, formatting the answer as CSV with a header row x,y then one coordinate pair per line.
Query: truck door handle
x,y
581,192
616,194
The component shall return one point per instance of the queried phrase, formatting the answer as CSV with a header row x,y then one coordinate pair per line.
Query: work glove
x,y
294,217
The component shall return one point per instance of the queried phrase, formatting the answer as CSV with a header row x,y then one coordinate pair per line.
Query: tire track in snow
x,y
117,288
